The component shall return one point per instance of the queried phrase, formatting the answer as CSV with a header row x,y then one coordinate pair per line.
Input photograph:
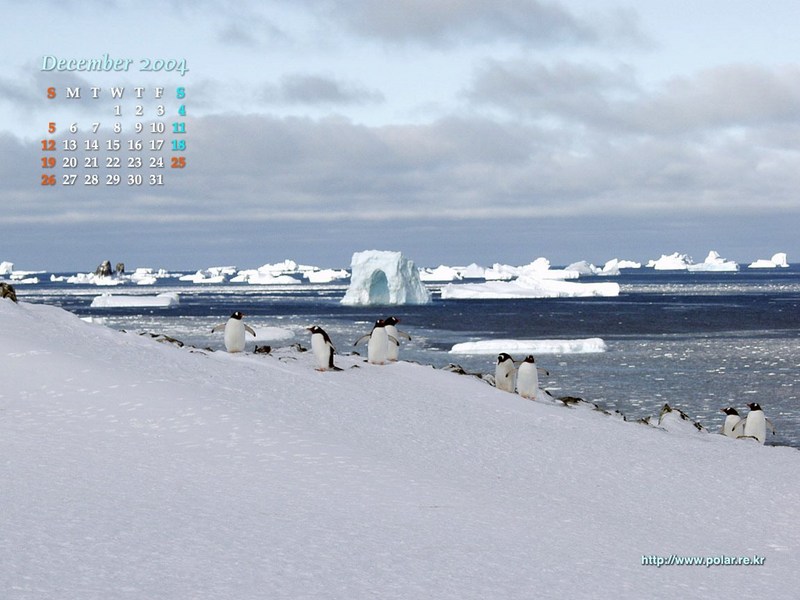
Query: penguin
x,y
755,425
505,373
378,345
235,330
391,329
733,426
528,378
323,349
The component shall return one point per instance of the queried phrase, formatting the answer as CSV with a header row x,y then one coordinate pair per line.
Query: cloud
x,y
316,89
455,22
599,98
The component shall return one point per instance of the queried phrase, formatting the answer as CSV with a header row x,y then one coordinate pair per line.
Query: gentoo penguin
x,y
734,424
378,345
756,424
505,373
391,329
323,348
234,332
528,378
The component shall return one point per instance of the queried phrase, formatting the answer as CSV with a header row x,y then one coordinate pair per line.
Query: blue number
x,y
181,93
179,145
182,110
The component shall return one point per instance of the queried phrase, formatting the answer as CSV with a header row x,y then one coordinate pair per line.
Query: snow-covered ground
x,y
137,469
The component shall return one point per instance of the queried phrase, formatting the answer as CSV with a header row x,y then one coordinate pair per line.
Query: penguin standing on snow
x,y
734,424
528,378
323,349
755,425
234,329
378,345
505,373
393,350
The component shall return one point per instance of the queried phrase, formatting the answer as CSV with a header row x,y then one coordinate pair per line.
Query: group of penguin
x,y
383,346
754,426
382,342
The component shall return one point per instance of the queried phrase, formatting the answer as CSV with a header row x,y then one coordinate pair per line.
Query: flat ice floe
x,y
519,347
528,286
164,300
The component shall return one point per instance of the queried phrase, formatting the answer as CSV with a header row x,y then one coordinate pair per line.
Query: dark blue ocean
x,y
698,341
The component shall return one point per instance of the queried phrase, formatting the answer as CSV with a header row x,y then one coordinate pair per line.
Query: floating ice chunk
x,y
440,273
203,277
6,267
164,300
714,262
777,260
673,262
524,347
325,275
528,287
583,267
381,277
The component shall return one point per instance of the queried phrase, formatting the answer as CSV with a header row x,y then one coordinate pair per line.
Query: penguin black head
x,y
503,357
314,329
237,315
529,359
729,411
380,323
391,321
754,406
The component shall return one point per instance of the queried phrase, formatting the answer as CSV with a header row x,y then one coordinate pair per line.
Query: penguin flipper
x,y
330,360
249,330
404,334
220,327
771,426
394,340
362,339
542,371
738,429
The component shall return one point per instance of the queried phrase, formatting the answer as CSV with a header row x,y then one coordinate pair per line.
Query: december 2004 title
x,y
107,63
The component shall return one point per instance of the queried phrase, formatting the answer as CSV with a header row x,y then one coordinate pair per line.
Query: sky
x,y
455,131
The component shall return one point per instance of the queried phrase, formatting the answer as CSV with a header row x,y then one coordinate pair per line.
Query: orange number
x,y
51,128
48,179
48,162
178,162
51,92
49,145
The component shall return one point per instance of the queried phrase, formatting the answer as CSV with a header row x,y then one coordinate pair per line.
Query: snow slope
x,y
136,469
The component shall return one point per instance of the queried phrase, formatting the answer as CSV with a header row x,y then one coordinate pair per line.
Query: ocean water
x,y
698,341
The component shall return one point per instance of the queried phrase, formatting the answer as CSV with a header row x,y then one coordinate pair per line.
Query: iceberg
x,y
714,262
6,267
673,262
777,260
381,277
325,275
528,286
440,273
164,300
520,347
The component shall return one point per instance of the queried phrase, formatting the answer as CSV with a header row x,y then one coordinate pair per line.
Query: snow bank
x,y
382,278
528,286
164,300
777,260
134,469
524,347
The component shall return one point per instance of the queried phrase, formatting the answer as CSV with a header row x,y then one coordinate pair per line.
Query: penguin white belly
x,y
729,428
378,346
756,426
321,350
392,349
234,335
527,380
504,376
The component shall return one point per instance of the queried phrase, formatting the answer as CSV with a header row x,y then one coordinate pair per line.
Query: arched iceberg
x,y
381,277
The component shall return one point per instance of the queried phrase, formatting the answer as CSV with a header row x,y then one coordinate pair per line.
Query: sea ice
x,y
528,286
382,278
520,347
164,300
